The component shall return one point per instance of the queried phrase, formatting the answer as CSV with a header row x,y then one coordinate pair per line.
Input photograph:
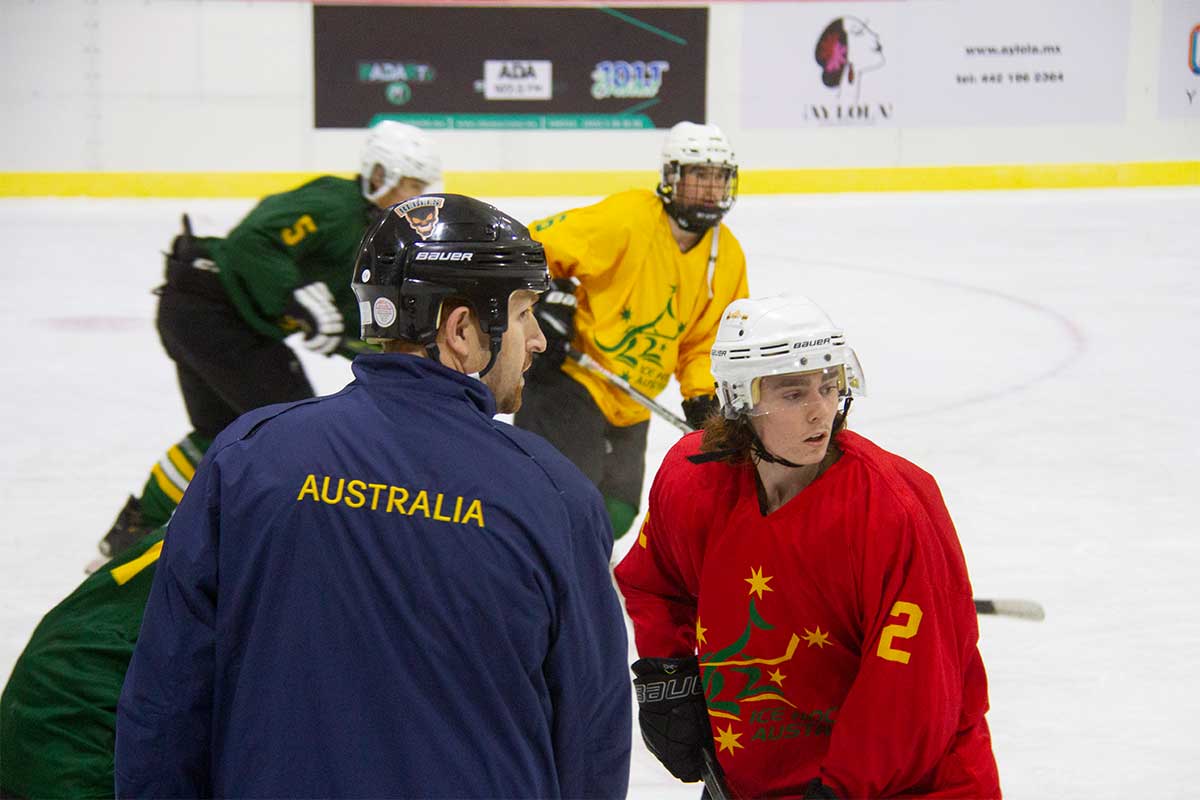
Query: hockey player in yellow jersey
x,y
640,281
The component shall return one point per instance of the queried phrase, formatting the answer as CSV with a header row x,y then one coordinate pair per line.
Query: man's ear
x,y
459,337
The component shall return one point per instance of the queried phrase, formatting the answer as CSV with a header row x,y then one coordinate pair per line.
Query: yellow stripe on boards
x,y
551,184
181,462
124,573
168,488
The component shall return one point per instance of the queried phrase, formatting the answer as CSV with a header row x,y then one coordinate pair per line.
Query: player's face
x,y
406,189
523,338
794,414
704,185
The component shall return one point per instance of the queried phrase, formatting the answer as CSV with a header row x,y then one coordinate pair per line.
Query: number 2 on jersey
x,y
303,227
899,631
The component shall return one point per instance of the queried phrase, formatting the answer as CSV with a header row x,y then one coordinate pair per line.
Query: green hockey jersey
x,y
58,710
290,239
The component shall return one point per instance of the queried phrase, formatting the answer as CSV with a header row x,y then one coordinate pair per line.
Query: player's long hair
x,y
729,440
734,441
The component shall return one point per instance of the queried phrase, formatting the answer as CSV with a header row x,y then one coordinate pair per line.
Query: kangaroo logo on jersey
x,y
421,213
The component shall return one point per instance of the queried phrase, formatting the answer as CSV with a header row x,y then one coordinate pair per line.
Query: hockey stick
x,y
714,781
1022,609
587,362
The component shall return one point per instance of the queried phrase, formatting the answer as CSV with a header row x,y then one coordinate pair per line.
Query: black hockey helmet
x,y
436,246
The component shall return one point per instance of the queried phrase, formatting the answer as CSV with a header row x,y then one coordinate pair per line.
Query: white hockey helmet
x,y
691,144
777,336
398,151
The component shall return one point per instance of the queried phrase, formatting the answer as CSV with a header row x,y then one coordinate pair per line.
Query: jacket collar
x,y
403,374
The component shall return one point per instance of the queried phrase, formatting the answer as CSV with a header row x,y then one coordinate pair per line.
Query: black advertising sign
x,y
509,68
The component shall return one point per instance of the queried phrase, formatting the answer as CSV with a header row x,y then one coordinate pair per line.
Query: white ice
x,y
1035,351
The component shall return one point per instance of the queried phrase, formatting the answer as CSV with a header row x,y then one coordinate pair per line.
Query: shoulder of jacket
x,y
253,423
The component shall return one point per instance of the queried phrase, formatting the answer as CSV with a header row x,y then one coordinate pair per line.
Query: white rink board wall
x,y
187,86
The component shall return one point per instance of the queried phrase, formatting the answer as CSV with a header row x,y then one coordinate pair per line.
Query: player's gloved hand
x,y
312,310
697,409
555,312
815,790
672,713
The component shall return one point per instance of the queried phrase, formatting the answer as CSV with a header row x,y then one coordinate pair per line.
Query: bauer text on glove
x,y
672,713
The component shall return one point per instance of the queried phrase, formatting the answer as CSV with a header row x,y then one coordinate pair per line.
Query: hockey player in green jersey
x,y
229,302
58,710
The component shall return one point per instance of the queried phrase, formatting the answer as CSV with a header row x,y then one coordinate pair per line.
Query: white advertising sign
x,y
934,62
517,79
1179,67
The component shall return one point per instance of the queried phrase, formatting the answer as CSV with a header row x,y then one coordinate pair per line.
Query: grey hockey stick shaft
x,y
714,780
1022,609
588,362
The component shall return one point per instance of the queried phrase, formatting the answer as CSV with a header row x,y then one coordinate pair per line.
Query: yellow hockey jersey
x,y
646,311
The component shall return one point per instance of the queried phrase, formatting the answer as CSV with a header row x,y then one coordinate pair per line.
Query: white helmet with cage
x,y
394,151
778,335
689,144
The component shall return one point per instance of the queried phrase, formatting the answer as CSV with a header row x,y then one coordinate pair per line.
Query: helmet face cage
x,y
394,151
434,247
720,181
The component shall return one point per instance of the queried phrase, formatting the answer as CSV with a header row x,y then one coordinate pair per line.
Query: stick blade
x,y
1022,609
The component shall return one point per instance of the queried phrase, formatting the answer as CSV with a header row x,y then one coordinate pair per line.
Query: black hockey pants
x,y
225,367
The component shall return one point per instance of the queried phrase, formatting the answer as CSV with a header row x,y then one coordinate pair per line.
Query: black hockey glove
x,y
187,250
672,713
555,312
697,409
312,310
815,790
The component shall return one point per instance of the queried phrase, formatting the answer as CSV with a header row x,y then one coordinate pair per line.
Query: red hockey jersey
x,y
837,635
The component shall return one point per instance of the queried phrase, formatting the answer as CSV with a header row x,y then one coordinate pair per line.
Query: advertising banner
x,y
976,62
1179,68
509,67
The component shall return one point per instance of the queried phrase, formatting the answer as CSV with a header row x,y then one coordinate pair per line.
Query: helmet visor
x,y
796,393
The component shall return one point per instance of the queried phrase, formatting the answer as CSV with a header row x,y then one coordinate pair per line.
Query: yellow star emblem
x,y
727,739
816,637
758,584
777,677
699,632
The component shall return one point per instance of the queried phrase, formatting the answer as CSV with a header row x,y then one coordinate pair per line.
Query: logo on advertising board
x,y
847,51
628,78
398,77
1194,50
517,79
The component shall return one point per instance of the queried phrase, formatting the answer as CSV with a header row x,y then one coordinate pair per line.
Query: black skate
x,y
129,527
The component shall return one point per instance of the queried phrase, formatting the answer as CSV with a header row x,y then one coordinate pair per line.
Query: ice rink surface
x,y
1035,351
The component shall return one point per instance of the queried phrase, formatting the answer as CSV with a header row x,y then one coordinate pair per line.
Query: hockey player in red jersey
x,y
809,585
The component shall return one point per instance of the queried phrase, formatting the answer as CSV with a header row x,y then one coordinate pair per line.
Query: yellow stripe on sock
x,y
168,488
181,462
124,573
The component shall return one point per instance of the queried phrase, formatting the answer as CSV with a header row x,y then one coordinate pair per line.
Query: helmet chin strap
x,y
431,350
495,352
763,454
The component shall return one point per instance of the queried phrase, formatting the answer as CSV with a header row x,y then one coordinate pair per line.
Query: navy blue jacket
x,y
381,593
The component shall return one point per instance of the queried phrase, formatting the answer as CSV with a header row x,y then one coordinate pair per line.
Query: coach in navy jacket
x,y
385,593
